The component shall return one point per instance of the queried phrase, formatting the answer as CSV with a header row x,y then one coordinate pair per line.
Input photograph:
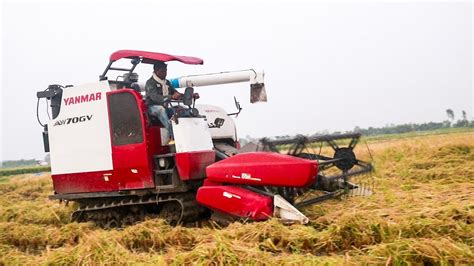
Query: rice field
x,y
421,213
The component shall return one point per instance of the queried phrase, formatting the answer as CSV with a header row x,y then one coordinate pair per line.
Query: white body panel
x,y
192,134
227,131
79,136
165,136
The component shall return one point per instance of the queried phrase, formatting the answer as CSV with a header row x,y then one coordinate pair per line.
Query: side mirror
x,y
188,96
237,105
135,61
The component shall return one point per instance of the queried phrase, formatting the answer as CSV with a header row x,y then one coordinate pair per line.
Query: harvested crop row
x,y
421,212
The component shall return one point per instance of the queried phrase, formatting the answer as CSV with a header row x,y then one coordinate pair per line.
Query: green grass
x,y
418,134
4,172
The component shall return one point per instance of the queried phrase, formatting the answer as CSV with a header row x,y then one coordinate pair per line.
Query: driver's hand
x,y
176,96
196,95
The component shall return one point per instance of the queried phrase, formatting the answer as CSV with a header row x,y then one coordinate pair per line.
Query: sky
x,y
329,65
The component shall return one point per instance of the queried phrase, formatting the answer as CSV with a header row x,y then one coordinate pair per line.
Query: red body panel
x,y
192,165
208,182
150,57
132,166
264,169
84,182
153,140
236,201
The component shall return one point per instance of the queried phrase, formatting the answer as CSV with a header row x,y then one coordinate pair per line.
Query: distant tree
x,y
446,123
464,115
450,114
461,123
243,141
250,138
47,158
18,163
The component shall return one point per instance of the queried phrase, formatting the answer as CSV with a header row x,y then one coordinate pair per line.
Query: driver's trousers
x,y
162,114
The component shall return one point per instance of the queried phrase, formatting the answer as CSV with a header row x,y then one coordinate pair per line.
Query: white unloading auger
x,y
257,85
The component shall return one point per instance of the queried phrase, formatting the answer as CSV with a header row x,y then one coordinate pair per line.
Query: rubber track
x,y
190,210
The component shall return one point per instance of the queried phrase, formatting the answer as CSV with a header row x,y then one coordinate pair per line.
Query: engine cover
x,y
264,169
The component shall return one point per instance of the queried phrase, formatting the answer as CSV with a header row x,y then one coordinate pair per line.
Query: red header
x,y
150,57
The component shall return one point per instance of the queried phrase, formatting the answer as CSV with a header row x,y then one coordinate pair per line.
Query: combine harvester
x,y
111,158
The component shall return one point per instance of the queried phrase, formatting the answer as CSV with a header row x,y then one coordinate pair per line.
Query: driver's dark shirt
x,y
154,92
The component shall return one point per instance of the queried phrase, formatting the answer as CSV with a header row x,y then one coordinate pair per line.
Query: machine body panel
x,y
264,169
79,135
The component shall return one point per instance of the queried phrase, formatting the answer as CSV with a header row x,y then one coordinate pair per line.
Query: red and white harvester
x,y
111,158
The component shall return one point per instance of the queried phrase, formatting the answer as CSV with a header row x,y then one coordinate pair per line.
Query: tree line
x,y
463,122
19,163
451,122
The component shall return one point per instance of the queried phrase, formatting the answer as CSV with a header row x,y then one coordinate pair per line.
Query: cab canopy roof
x,y
138,57
151,57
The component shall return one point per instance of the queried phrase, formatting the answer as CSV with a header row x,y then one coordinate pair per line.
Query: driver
x,y
159,92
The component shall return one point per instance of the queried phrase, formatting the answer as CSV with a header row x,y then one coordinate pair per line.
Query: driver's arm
x,y
175,95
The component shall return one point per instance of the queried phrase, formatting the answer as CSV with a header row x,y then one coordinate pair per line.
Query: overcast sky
x,y
329,66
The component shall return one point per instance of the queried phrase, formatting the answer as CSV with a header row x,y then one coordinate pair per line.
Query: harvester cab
x,y
109,156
